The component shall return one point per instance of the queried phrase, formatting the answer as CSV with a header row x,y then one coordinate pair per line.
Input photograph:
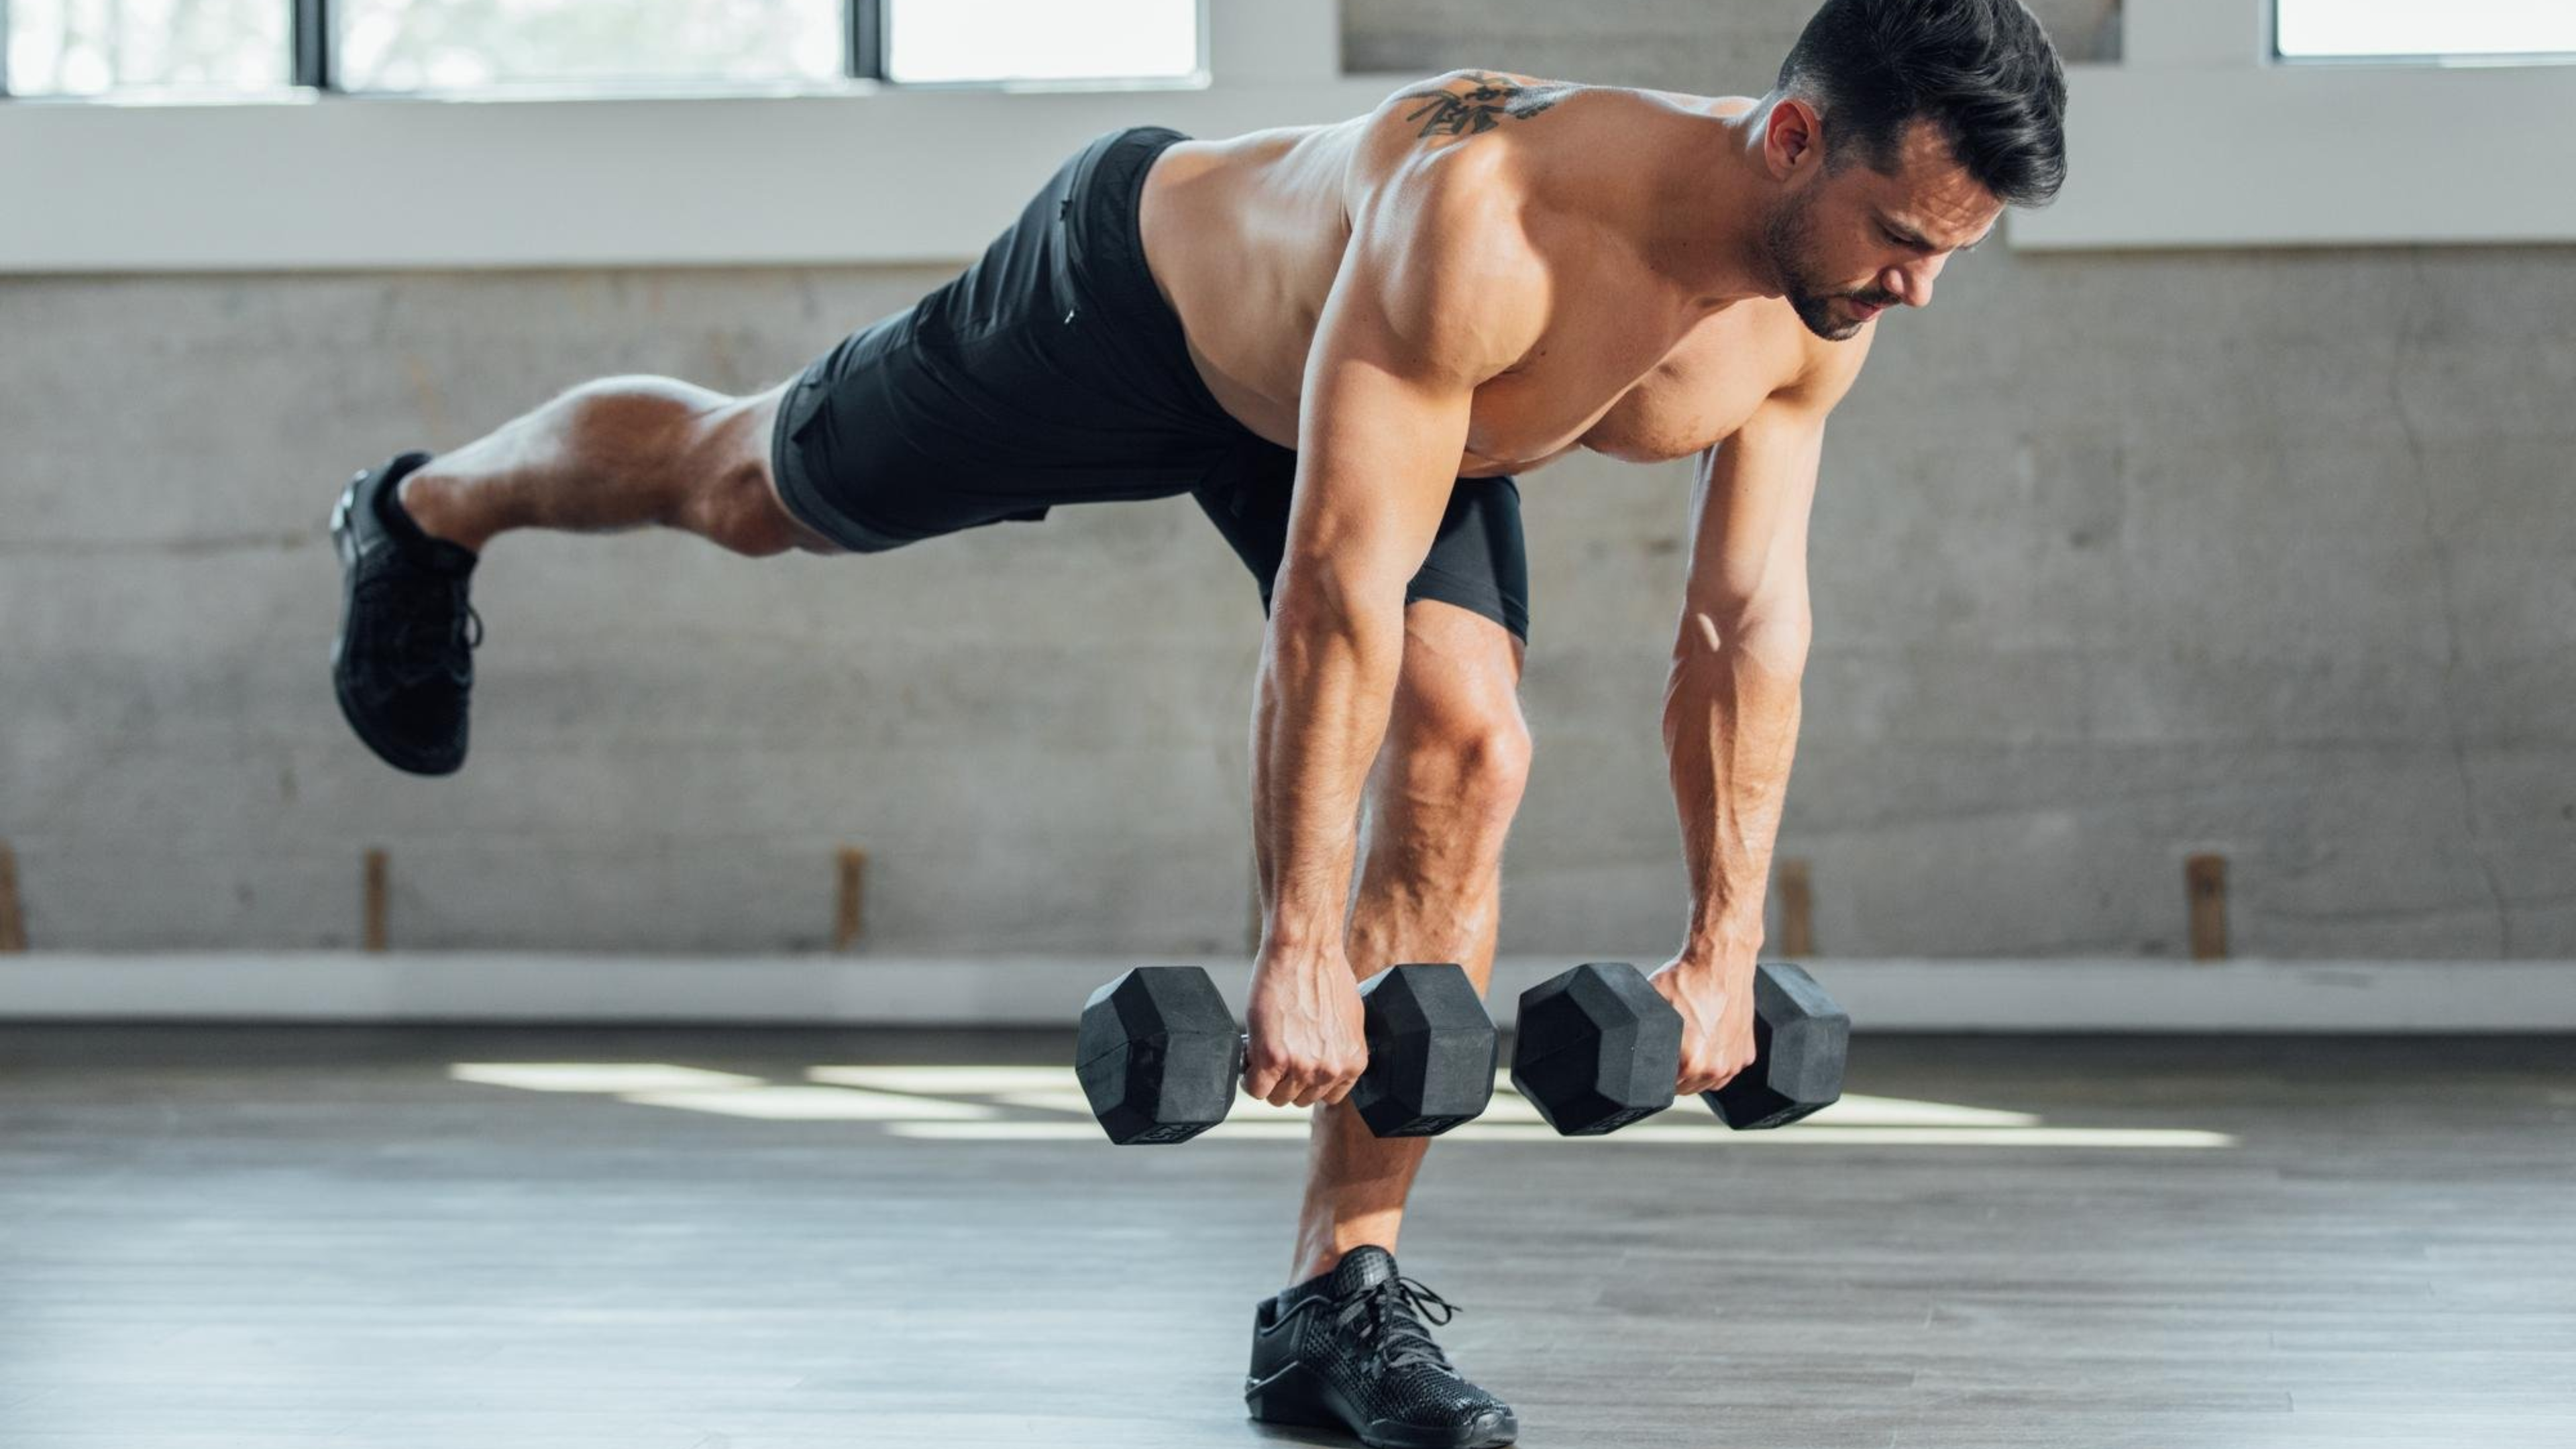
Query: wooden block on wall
x,y
1793,885
373,911
1252,921
2205,887
850,898
13,920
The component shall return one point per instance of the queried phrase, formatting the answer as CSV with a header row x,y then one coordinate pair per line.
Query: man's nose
x,y
1910,285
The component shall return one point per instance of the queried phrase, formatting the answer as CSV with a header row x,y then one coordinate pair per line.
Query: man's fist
x,y
1305,1022
1717,1023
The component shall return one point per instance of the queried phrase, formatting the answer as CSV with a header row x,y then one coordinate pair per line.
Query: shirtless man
x,y
1344,341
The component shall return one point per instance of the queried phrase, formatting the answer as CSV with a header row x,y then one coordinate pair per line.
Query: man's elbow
x,y
1325,594
1770,632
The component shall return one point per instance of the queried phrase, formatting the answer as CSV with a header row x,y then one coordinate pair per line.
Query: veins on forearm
x,y
1314,729
1730,728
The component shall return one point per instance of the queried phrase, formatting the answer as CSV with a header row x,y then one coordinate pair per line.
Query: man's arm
x,y
1731,705
1435,295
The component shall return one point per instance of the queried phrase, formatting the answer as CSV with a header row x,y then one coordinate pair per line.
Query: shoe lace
x,y
1389,1318
433,631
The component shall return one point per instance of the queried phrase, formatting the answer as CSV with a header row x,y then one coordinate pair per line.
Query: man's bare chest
x,y
1627,395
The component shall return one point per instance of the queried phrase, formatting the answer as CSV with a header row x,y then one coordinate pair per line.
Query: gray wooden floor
x,y
290,1237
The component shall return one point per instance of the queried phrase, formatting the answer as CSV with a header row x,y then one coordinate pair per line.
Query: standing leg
x,y
618,453
1441,799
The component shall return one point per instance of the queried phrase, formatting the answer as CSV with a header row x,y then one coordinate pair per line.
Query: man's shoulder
x,y
1465,175
1501,139
1472,101
1440,229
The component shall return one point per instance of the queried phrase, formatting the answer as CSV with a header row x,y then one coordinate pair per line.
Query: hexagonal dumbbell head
x,y
1431,1051
1800,1040
1596,1048
1158,1055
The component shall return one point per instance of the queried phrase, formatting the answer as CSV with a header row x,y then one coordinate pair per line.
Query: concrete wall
x,y
2116,558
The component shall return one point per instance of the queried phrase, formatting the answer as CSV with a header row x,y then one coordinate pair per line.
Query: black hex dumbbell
x,y
1598,1047
1160,1057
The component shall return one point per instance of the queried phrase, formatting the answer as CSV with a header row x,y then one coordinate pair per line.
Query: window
x,y
989,40
410,45
90,47
96,47
2354,29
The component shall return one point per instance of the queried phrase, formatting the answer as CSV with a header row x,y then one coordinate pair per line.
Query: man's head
x,y
1899,131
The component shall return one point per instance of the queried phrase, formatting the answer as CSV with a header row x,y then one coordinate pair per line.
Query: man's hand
x,y
1717,1022
1308,1045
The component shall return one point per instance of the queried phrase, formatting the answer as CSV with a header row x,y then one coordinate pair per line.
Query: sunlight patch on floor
x,y
964,1103
815,1104
1648,1133
598,1077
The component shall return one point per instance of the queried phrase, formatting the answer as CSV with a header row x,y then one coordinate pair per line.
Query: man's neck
x,y
1701,205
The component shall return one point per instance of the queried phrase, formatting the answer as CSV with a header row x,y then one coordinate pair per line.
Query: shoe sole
x,y
1295,1398
344,542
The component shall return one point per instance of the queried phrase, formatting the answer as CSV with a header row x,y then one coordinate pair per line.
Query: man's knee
x,y
1465,759
1489,766
730,498
1458,746
738,511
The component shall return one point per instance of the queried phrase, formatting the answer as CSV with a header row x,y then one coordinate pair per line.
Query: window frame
x,y
2160,160
2413,58
313,50
2201,135
866,172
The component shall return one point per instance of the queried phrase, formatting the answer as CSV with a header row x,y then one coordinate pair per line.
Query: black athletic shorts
x,y
1052,371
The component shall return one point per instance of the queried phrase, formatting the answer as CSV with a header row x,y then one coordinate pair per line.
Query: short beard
x,y
1785,238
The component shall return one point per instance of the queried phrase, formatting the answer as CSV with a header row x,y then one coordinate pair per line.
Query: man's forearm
x,y
1327,684
1730,728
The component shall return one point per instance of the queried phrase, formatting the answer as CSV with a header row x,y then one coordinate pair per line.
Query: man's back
x,y
1245,237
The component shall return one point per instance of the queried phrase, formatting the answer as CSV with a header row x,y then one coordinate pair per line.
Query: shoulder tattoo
x,y
1473,112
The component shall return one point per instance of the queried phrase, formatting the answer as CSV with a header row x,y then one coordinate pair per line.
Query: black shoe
x,y
404,661
1346,1351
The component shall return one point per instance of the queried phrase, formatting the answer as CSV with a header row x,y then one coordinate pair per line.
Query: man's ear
x,y
1793,136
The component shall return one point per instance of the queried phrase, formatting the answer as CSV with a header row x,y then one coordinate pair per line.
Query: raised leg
x,y
618,453
1440,802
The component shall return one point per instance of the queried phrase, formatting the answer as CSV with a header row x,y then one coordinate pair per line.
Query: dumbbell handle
x,y
1421,1126
1436,1073
1751,1101
1747,1102
1243,1053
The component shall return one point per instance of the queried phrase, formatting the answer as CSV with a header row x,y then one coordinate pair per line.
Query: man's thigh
x,y
1478,560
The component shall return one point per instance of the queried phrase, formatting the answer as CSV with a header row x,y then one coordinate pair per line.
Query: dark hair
x,y
1981,70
